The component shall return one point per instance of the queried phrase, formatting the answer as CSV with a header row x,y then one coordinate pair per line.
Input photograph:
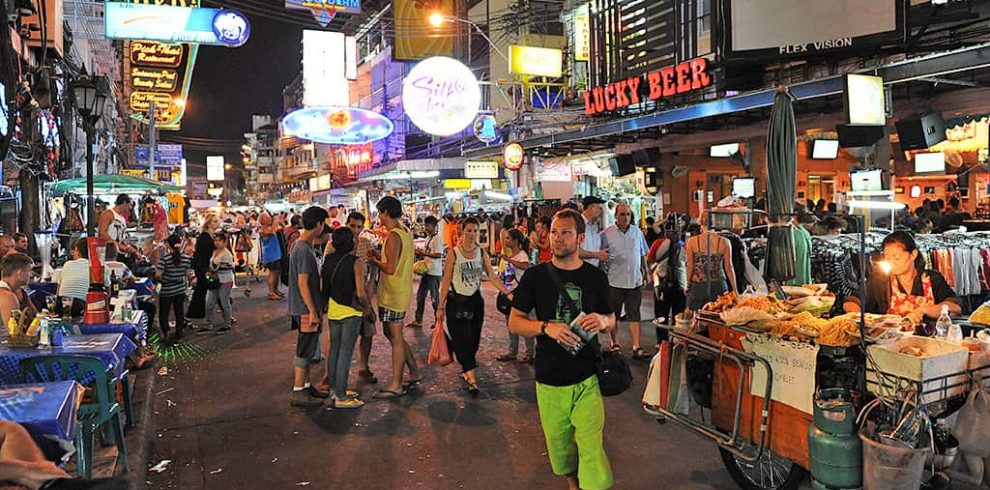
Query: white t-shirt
x,y
435,245
224,263
73,280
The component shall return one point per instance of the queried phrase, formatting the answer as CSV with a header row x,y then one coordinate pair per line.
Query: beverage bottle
x,y
943,323
955,333
114,285
44,337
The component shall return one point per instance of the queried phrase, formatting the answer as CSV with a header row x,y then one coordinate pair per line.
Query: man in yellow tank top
x,y
394,294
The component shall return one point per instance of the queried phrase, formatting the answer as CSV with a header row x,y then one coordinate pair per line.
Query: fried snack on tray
x,y
801,325
741,315
841,331
724,302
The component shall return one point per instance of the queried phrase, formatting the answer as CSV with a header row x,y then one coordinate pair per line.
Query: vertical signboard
x,y
324,66
214,168
582,36
160,72
415,37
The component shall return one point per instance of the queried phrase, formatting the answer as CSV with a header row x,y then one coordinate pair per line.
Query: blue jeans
x,y
514,343
427,284
343,335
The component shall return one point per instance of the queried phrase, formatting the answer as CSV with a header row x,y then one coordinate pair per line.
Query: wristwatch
x,y
543,328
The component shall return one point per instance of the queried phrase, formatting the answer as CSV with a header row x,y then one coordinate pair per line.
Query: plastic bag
x,y
439,352
973,424
655,394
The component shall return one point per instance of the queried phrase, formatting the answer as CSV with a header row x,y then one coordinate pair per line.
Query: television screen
x,y
929,162
723,151
824,149
744,187
866,180
865,100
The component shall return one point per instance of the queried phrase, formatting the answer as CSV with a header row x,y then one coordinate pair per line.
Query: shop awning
x,y
110,184
425,168
608,134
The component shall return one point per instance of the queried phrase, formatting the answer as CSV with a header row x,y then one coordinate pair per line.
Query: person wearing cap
x,y
591,250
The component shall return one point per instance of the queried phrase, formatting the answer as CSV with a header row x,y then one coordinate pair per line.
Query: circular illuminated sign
x,y
441,96
231,27
484,128
513,156
337,125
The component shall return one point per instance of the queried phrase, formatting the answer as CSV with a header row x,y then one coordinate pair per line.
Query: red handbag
x,y
439,352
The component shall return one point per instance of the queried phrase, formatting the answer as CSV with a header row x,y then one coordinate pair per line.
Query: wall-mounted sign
x,y
484,128
480,170
666,82
441,96
149,53
513,156
214,168
145,78
542,62
166,155
554,171
175,24
324,10
456,183
582,37
337,125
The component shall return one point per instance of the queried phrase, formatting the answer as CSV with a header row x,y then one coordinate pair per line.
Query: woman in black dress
x,y
201,264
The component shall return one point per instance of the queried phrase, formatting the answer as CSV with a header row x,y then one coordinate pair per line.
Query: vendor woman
x,y
909,290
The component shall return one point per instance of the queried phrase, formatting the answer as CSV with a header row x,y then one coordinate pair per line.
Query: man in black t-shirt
x,y
572,411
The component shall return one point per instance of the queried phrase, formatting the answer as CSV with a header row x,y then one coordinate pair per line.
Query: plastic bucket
x,y
887,467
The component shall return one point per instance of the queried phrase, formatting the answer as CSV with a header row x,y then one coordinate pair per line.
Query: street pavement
x,y
222,416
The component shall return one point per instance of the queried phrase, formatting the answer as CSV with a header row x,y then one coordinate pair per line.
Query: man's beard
x,y
564,253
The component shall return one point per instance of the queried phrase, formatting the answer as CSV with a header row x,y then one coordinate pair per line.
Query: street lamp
x,y
90,97
437,19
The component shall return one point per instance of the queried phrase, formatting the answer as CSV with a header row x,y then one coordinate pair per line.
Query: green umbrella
x,y
781,182
120,184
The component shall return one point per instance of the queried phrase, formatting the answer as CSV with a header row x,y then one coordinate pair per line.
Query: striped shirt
x,y
174,277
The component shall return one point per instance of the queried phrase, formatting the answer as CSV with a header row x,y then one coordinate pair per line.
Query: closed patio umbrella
x,y
781,183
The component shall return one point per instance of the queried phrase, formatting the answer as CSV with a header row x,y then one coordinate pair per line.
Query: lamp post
x,y
90,95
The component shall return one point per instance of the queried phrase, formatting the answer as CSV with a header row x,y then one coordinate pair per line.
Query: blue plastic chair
x,y
103,411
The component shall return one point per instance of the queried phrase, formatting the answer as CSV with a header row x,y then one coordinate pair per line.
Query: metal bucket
x,y
890,467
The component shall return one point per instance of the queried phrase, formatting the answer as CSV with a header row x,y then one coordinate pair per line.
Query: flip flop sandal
x,y
615,348
388,394
412,383
640,353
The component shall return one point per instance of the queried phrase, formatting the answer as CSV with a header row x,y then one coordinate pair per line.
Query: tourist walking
x,y
572,410
306,304
429,282
627,273
461,304
271,253
591,250
201,265
348,304
222,264
173,274
394,294
515,261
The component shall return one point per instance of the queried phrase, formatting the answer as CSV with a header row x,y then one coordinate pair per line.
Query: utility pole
x,y
151,141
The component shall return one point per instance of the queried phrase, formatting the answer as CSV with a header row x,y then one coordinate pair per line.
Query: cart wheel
x,y
770,472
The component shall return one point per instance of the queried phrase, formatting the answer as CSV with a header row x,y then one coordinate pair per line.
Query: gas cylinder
x,y
835,452
97,305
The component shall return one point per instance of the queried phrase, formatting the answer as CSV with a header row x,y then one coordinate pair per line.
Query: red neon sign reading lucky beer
x,y
665,82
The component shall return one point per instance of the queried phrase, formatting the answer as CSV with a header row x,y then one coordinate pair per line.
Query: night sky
x,y
231,84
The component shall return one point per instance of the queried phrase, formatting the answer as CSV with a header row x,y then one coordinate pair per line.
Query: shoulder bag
x,y
614,375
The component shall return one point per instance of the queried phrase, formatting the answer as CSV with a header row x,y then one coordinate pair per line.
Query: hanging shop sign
x,y
513,156
674,80
175,24
455,184
324,10
582,37
160,72
166,155
541,62
474,169
550,171
484,128
441,96
337,125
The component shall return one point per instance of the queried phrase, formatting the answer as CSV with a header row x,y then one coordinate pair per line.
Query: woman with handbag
x,y
515,258
220,281
461,304
343,276
201,265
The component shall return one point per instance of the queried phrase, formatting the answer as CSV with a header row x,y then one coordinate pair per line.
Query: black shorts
x,y
306,344
630,298
274,266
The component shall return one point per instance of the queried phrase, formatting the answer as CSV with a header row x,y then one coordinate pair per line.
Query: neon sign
x,y
513,156
441,96
324,10
175,24
337,125
666,82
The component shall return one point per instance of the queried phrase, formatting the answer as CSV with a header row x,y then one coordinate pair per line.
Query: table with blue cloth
x,y
144,287
111,348
136,329
46,410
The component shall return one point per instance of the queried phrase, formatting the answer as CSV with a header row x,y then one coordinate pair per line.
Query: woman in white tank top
x,y
461,304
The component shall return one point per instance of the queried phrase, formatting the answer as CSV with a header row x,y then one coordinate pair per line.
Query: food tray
x,y
939,375
23,341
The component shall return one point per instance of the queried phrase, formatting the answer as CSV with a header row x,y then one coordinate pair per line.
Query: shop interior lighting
x,y
885,205
453,195
416,174
498,195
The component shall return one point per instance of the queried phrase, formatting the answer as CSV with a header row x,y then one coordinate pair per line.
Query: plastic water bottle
x,y
955,334
943,324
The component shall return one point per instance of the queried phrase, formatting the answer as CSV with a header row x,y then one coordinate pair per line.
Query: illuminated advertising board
x,y
666,82
337,125
474,169
324,10
543,62
582,36
160,72
175,24
441,96
324,66
214,168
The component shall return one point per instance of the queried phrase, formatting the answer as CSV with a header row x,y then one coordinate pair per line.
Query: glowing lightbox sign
x,y
337,125
175,24
324,10
441,96
513,156
542,62
582,36
474,169
214,168
324,66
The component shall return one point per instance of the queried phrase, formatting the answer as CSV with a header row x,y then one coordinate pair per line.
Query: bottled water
x,y
943,323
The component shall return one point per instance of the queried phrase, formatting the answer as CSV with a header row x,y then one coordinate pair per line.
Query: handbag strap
x,y
568,301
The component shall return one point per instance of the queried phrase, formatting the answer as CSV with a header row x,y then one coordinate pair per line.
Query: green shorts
x,y
573,419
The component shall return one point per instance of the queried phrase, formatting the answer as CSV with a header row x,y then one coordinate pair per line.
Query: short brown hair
x,y
574,215
13,263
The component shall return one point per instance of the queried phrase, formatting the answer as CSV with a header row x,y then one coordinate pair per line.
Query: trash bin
x,y
890,467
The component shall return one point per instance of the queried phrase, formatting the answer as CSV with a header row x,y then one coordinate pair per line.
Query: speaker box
x,y
921,131
647,157
622,165
854,136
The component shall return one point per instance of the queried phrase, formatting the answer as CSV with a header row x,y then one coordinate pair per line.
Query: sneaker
x,y
316,393
223,330
303,398
348,403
